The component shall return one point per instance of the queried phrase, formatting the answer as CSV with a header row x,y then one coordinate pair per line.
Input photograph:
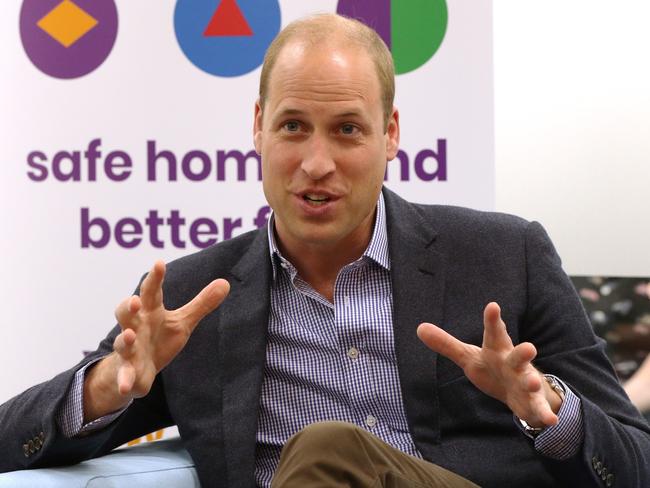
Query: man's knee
x,y
324,454
323,437
337,454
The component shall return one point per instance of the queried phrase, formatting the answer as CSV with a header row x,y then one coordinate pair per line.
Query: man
x,y
318,320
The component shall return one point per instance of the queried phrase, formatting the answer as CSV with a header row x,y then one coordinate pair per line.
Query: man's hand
x,y
499,369
151,337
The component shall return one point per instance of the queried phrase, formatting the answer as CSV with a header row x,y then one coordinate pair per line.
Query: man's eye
x,y
348,129
292,126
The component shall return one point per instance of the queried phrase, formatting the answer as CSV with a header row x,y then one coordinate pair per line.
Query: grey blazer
x,y
447,264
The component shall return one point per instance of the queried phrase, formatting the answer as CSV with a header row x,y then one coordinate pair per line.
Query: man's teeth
x,y
316,198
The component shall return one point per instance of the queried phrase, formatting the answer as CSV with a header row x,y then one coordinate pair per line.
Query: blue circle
x,y
228,55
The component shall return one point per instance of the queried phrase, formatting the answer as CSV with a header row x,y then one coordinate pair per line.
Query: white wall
x,y
572,103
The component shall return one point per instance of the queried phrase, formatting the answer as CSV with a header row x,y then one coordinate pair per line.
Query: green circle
x,y
418,28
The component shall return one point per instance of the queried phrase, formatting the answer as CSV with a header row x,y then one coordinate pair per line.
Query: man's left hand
x,y
499,368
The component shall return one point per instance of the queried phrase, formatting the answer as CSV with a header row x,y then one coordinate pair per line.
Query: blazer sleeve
x,y
30,436
616,446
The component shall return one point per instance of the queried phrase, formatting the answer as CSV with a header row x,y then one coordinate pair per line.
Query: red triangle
x,y
228,20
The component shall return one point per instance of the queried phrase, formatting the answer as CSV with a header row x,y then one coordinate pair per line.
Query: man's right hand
x,y
151,337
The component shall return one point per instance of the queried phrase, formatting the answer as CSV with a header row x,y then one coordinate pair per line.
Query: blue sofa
x,y
154,464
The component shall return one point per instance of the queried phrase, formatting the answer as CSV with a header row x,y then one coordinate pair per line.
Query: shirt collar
x,y
377,249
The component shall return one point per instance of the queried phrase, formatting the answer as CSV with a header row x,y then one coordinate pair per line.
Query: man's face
x,y
323,145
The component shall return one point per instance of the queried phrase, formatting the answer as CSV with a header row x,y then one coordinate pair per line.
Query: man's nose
x,y
318,162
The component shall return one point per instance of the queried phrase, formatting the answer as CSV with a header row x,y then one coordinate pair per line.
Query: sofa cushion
x,y
156,464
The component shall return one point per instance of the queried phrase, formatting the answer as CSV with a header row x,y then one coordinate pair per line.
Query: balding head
x,y
323,30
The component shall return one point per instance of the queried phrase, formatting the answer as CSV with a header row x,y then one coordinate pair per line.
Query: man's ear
x,y
392,135
257,128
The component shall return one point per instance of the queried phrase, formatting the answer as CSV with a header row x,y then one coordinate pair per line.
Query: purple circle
x,y
80,58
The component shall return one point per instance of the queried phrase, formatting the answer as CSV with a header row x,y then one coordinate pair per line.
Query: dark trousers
x,y
338,454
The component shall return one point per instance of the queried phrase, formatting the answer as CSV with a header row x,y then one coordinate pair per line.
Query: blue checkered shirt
x,y
331,361
335,361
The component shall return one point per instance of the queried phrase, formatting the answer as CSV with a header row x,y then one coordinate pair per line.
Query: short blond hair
x,y
322,28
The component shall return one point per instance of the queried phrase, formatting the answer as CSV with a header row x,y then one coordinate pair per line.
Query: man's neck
x,y
319,264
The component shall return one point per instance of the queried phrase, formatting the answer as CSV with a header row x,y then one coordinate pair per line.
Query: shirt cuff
x,y
70,416
562,440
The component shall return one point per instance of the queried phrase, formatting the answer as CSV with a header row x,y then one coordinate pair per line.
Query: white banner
x,y
127,136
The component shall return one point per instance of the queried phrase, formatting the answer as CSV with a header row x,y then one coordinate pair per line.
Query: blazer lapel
x,y
242,355
418,282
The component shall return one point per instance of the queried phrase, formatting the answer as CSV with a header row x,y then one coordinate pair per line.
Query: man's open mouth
x,y
316,199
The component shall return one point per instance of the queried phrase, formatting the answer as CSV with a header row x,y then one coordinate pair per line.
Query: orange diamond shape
x,y
67,23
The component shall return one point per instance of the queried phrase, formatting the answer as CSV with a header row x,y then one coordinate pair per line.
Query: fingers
x,y
205,302
443,343
125,379
542,411
127,311
134,304
151,287
495,335
537,413
124,347
521,356
124,343
532,404
549,418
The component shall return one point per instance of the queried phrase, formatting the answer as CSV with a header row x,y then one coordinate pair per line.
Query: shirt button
x,y
353,353
371,421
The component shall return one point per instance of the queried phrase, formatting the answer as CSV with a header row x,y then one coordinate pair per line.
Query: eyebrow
x,y
295,111
349,113
289,111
